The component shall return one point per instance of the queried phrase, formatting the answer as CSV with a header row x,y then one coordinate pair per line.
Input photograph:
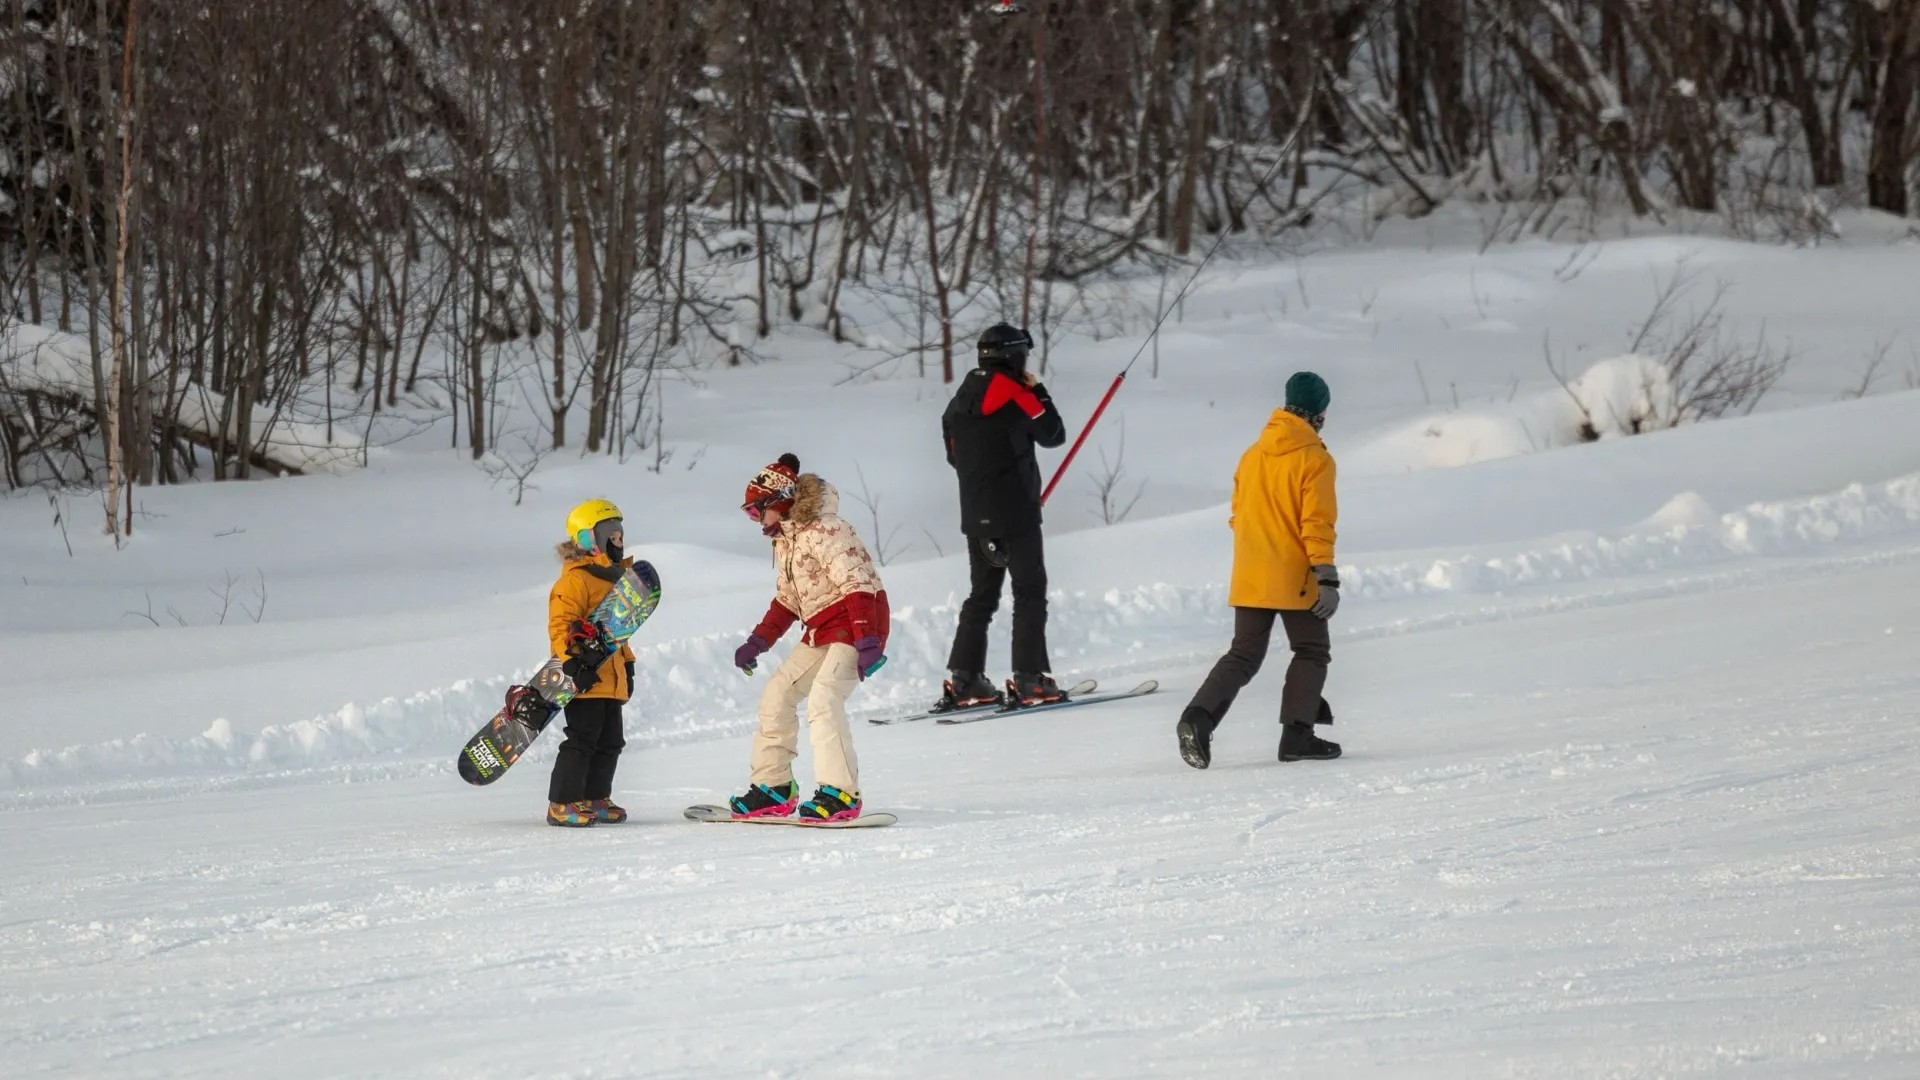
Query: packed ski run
x,y
1624,785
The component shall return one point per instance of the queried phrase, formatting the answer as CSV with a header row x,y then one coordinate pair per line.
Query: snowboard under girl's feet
x,y
868,819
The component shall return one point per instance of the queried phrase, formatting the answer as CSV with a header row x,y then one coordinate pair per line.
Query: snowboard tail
x,y
528,709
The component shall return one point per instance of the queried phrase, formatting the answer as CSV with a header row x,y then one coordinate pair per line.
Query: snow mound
x,y
1621,395
1624,395
61,364
1682,534
685,690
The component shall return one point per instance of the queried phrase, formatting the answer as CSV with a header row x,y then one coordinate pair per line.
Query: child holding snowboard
x,y
824,579
580,792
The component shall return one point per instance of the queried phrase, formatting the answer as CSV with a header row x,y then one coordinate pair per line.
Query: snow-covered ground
x,y
1630,784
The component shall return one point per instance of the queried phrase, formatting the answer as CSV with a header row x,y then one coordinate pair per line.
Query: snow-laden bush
x,y
1629,394
1625,395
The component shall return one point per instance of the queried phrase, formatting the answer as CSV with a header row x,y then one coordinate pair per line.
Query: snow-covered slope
x,y
1671,836
1629,786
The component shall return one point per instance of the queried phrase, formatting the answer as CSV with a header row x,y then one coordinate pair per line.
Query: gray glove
x,y
1329,578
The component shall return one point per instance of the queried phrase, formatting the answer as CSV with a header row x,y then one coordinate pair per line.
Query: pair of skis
x,y
1077,695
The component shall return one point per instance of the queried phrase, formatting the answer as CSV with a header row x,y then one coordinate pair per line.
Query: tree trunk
x,y
1184,203
1891,155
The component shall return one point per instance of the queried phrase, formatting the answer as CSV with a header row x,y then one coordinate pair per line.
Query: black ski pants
x,y
584,767
1027,564
1306,675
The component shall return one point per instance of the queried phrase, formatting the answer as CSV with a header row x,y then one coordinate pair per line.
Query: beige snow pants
x,y
826,677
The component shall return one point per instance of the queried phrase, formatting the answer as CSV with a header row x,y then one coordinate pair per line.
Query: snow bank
x,y
687,689
1621,395
61,363
684,690
303,446
1683,533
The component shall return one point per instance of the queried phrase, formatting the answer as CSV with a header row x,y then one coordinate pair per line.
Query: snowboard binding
x,y
589,644
525,705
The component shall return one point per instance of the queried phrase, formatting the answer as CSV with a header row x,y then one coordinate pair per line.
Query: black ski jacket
x,y
991,428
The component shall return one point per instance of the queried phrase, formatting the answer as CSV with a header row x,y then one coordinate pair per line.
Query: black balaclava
x,y
602,538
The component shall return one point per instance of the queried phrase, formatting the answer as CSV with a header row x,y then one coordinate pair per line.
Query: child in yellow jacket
x,y
581,789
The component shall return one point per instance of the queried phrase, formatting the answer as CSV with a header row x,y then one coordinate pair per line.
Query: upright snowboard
x,y
497,745
721,813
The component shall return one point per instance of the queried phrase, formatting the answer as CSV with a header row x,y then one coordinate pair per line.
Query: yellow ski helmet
x,y
582,519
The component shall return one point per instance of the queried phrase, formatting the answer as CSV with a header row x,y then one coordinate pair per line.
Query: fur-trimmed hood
x,y
573,554
813,500
819,560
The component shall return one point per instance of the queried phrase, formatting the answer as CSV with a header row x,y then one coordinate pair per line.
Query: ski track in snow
x,y
691,691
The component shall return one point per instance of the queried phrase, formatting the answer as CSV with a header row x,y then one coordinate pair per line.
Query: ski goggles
x,y
755,508
595,539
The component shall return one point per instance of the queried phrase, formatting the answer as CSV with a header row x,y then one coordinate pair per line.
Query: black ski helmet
x,y
1005,348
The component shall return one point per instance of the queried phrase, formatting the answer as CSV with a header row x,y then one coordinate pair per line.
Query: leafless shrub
x,y
1712,372
258,590
60,521
1706,371
1111,504
1876,358
147,614
228,598
515,468
883,548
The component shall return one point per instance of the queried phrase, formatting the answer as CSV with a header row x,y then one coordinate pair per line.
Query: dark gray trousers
x,y
1306,675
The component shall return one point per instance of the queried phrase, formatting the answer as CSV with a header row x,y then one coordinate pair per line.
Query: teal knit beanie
x,y
1307,393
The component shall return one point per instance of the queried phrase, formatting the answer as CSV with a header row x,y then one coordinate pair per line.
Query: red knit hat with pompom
x,y
772,487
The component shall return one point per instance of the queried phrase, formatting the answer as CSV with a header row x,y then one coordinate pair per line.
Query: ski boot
x,y
1195,730
830,804
762,800
571,815
607,812
1032,688
965,690
1299,743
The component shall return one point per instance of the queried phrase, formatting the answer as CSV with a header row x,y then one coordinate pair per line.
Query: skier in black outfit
x,y
1000,413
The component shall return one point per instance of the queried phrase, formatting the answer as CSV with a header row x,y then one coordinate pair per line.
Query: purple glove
x,y
747,655
870,655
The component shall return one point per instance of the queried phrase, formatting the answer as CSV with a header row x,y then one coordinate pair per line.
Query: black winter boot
x,y
1195,730
1033,688
965,689
1299,743
764,800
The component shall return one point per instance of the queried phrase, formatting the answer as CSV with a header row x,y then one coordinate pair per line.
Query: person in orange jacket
x,y
581,789
1283,531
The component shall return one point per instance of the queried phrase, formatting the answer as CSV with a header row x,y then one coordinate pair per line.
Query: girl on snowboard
x,y
825,580
580,792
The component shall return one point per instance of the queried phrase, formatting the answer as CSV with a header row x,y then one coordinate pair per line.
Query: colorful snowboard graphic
x,y
497,745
